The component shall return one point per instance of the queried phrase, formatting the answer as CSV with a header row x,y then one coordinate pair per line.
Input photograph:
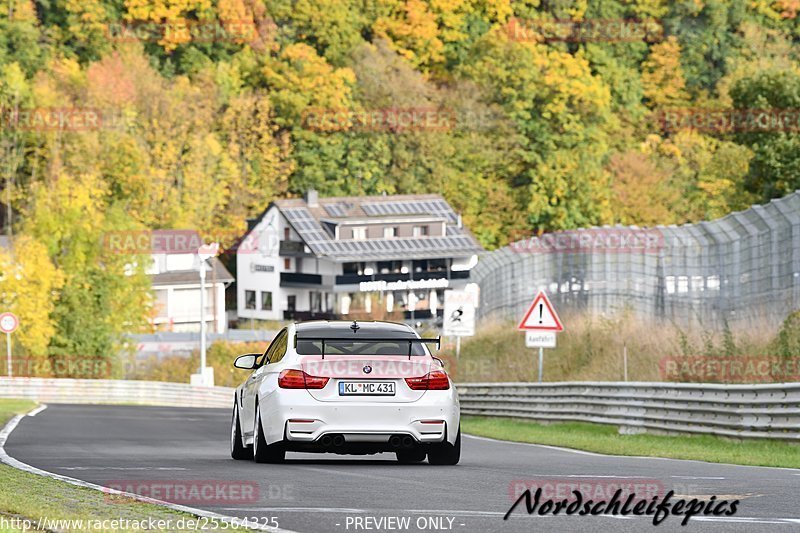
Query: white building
x,y
381,256
176,283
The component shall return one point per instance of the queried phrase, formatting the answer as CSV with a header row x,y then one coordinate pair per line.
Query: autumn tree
x,y
662,75
775,167
104,294
29,287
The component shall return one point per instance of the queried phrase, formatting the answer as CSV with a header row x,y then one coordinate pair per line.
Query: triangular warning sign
x,y
541,316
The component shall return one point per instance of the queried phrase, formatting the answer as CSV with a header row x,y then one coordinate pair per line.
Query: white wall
x,y
260,249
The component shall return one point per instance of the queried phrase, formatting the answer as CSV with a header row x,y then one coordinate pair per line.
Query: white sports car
x,y
347,388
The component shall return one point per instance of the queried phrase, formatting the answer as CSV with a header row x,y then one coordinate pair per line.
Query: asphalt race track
x,y
153,446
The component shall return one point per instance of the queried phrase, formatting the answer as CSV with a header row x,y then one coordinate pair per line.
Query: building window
x,y
360,233
287,263
286,234
420,231
390,232
249,299
266,301
162,297
389,267
352,268
437,265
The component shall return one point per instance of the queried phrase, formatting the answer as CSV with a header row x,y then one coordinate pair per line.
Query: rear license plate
x,y
366,388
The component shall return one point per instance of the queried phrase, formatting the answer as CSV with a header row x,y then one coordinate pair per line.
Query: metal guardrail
x,y
97,391
764,411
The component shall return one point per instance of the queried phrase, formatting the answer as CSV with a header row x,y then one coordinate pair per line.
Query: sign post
x,y
204,253
8,324
459,316
540,324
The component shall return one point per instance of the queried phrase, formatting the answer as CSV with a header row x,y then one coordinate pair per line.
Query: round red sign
x,y
8,322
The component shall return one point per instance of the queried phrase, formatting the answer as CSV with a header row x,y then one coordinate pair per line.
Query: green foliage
x,y
775,167
610,440
787,343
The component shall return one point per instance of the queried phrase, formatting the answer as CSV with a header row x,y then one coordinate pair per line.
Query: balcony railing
x,y
354,279
292,279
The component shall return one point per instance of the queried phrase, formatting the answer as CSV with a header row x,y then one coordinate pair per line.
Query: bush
x,y
179,368
787,343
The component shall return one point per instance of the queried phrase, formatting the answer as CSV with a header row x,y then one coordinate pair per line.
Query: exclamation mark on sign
x,y
541,306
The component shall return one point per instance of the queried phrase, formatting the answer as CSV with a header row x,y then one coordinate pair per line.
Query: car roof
x,y
342,328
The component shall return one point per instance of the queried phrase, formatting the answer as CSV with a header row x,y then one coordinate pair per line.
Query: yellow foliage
x,y
300,79
89,15
662,75
413,30
176,16
19,10
29,284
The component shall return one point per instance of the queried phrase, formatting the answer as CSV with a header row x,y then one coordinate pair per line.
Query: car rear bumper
x,y
302,419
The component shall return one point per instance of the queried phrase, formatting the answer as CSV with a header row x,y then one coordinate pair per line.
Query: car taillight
x,y
297,379
436,380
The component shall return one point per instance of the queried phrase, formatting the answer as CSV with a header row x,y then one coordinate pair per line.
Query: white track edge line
x,y
14,463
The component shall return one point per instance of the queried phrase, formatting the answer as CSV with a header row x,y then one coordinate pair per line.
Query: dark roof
x,y
308,223
219,274
341,329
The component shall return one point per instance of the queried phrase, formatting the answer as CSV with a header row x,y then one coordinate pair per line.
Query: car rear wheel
x,y
410,456
263,452
238,450
446,453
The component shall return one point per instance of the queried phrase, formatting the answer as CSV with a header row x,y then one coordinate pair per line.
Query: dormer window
x,y
420,231
360,233
390,232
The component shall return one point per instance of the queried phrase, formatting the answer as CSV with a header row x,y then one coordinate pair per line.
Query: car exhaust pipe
x,y
408,442
326,441
395,441
338,440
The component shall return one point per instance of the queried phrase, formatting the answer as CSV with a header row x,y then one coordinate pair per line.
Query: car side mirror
x,y
247,361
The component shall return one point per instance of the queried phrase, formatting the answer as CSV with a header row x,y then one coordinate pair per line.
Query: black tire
x,y
263,452
446,453
238,450
410,456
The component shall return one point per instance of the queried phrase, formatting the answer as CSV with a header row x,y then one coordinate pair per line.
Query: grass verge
x,y
605,439
40,499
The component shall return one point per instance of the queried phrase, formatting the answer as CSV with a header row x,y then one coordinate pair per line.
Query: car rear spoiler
x,y
411,342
